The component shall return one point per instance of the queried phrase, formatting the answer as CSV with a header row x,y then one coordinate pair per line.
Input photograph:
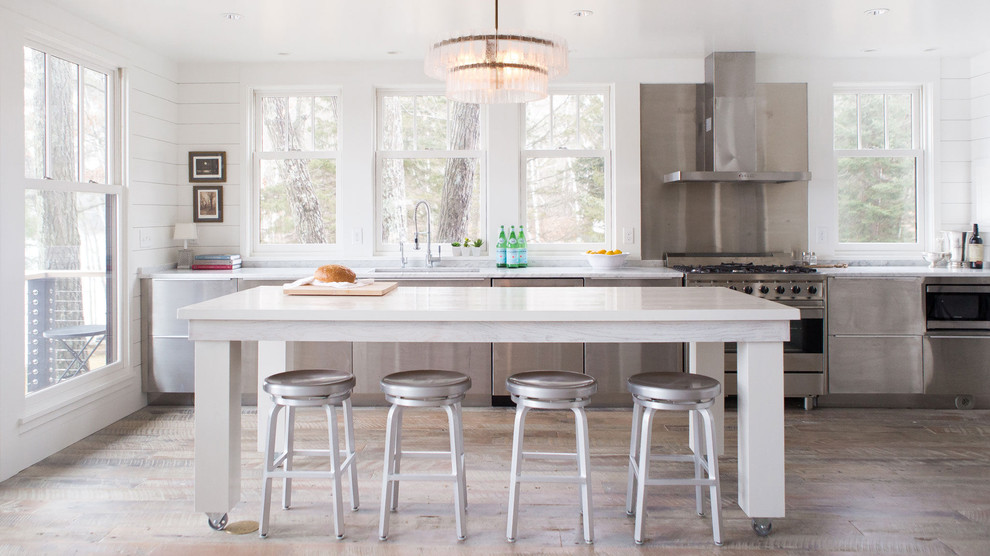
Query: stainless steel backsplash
x,y
730,217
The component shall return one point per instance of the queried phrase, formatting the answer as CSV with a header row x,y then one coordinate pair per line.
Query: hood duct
x,y
727,142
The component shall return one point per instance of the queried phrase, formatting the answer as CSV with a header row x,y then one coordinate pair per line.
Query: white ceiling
x,y
195,30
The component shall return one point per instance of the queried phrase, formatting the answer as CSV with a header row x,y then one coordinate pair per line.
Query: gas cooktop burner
x,y
744,268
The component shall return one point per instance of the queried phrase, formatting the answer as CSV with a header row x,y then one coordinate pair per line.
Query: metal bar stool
x,y
551,390
423,388
678,392
309,388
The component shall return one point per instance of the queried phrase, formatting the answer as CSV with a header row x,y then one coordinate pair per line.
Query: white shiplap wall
x,y
210,120
31,429
953,187
980,137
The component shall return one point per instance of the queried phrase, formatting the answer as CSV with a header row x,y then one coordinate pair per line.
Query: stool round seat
x,y
309,383
674,387
426,384
551,385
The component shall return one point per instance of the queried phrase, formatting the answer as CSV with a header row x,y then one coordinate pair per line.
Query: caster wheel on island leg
x,y
762,527
216,523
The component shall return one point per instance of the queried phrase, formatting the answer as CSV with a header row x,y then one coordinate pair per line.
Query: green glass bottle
x,y
523,256
512,249
500,260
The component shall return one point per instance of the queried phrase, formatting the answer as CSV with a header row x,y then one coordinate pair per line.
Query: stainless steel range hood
x,y
727,142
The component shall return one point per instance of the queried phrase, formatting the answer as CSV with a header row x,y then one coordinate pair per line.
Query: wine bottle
x,y
974,251
512,249
500,256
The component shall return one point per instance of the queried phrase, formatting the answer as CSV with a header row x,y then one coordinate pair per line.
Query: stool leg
x,y
460,442
266,479
457,468
517,445
644,472
633,456
351,453
716,489
338,499
391,430
584,469
290,423
396,458
695,426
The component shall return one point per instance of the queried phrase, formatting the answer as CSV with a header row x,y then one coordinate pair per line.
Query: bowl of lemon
x,y
606,260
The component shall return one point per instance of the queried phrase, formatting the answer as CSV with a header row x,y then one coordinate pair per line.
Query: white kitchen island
x,y
702,317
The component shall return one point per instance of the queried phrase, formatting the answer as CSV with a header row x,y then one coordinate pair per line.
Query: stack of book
x,y
216,262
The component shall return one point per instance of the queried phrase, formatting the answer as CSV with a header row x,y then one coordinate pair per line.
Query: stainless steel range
x,y
769,276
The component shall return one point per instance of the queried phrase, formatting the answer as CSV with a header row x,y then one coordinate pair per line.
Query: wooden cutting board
x,y
375,288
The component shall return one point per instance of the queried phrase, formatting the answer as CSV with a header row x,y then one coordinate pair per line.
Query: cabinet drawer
x,y
876,306
875,365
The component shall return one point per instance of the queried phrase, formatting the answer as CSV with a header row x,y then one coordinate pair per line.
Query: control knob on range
x,y
748,289
780,289
764,290
812,290
796,289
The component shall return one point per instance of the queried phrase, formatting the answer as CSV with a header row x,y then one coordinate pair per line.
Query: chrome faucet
x,y
429,241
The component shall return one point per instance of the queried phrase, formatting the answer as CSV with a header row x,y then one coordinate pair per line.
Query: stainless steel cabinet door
x,y
875,365
305,355
612,364
957,364
372,361
167,296
511,358
876,306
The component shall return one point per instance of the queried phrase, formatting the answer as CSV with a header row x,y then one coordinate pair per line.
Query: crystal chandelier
x,y
496,68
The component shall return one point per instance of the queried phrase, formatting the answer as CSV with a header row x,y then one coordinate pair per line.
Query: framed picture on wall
x,y
207,167
207,203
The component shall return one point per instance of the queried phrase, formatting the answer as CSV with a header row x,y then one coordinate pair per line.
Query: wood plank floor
x,y
858,481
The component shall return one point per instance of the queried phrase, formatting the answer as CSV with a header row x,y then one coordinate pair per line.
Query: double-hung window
x,y
428,149
294,192
566,158
879,168
71,220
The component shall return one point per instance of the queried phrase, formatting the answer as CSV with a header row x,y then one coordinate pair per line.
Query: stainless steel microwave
x,y
957,307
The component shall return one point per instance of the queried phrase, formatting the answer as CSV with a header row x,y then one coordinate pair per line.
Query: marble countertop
x,y
576,271
442,272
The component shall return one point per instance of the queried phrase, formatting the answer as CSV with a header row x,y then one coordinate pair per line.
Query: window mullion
x,y
46,170
80,134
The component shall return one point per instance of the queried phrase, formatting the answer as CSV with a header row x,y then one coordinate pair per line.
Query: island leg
x,y
217,429
760,383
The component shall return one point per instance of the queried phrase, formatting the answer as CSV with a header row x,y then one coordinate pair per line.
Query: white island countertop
x,y
523,305
448,272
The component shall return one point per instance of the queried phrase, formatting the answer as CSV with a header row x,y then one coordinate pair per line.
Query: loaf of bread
x,y
335,273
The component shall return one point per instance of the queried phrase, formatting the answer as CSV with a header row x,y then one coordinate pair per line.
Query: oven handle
x,y
967,335
812,312
931,288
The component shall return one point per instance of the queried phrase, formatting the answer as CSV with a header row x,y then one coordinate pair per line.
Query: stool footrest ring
x,y
551,479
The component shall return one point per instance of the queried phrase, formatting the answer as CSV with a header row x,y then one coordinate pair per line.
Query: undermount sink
x,y
396,270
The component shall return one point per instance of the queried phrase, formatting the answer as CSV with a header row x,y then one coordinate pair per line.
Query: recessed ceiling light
x,y
931,49
868,50
876,11
392,52
582,13
283,53
231,16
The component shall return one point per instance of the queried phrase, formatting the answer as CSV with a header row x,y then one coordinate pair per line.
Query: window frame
x,y
60,398
253,227
607,153
382,156
919,151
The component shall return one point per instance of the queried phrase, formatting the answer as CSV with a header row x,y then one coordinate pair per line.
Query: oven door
x,y
804,355
955,362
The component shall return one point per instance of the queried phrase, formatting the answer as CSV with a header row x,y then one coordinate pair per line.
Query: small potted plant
x,y
455,248
476,248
